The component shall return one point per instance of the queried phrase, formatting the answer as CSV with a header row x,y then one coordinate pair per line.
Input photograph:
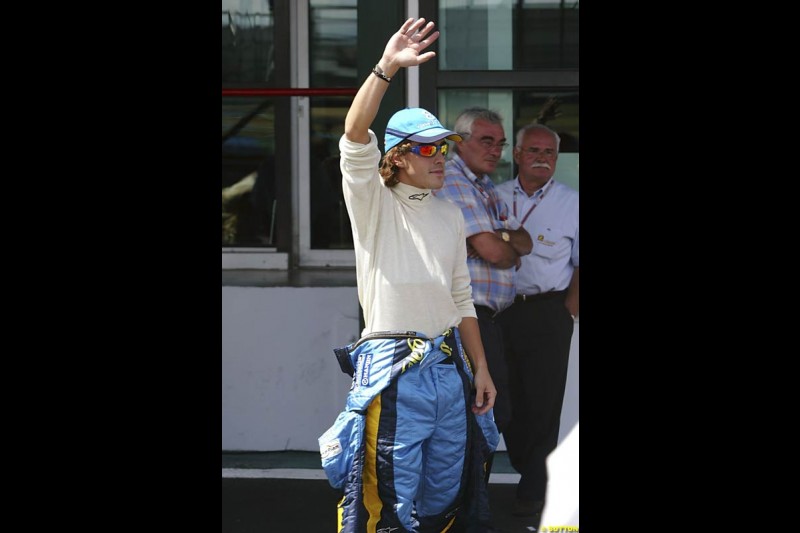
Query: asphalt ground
x,y
308,505
255,503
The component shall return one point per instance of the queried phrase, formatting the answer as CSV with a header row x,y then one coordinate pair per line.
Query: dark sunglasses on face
x,y
429,150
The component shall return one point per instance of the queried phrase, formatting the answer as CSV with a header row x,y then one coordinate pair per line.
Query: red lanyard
x,y
492,202
535,202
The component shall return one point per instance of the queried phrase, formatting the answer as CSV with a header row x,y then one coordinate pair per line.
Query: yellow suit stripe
x,y
372,501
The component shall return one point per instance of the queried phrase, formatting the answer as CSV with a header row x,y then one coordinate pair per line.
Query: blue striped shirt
x,y
484,211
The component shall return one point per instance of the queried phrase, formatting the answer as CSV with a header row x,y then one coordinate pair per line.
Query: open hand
x,y
404,47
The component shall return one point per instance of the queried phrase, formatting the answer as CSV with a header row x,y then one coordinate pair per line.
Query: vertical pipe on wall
x,y
300,131
412,81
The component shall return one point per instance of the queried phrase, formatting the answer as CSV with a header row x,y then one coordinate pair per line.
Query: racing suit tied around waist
x,y
376,362
360,360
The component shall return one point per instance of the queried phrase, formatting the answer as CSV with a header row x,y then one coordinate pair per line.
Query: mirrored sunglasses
x,y
429,150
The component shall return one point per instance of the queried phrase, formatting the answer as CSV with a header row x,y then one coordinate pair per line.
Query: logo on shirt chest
x,y
542,240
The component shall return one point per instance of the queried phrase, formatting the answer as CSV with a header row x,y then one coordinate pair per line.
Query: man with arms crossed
x,y
495,239
538,327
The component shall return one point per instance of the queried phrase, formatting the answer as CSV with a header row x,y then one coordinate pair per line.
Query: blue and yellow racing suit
x,y
407,450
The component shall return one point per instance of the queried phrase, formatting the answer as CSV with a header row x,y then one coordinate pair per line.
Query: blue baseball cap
x,y
415,124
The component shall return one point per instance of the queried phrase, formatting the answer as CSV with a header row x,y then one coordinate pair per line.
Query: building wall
x,y
281,385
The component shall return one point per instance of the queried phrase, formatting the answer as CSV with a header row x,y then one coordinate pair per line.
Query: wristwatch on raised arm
x,y
505,236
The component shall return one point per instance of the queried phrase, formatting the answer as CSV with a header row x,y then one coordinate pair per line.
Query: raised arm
x,y
402,50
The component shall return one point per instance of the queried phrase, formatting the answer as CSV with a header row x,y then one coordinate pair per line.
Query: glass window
x,y
330,223
248,172
247,41
333,63
333,43
508,35
289,100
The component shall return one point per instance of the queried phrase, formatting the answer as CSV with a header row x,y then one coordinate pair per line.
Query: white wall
x,y
281,385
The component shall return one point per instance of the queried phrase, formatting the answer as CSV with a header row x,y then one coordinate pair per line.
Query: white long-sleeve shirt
x,y
411,254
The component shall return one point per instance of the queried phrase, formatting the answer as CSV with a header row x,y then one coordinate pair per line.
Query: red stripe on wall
x,y
290,92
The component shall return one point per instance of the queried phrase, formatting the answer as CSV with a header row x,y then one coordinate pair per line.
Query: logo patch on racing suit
x,y
330,449
365,369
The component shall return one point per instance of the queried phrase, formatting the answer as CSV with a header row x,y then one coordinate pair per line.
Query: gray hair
x,y
534,126
464,121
